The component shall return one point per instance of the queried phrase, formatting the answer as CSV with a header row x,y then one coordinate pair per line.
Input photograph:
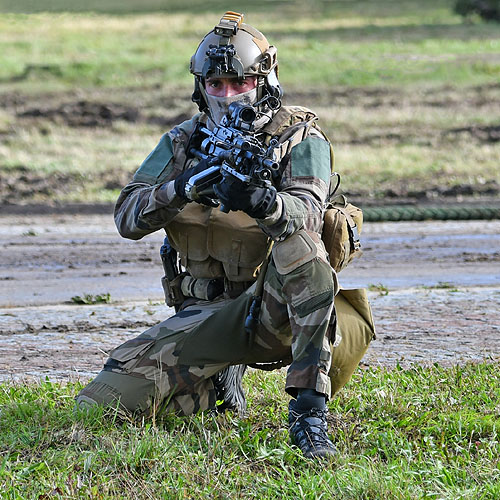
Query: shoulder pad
x,y
186,127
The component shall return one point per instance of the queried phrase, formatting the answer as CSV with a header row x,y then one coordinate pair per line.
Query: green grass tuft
x,y
89,298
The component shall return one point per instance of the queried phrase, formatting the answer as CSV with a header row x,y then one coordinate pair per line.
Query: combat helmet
x,y
234,48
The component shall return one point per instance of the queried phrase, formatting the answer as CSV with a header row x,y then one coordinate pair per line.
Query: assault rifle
x,y
232,150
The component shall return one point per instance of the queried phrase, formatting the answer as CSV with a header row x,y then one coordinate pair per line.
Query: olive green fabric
x,y
356,329
170,365
312,157
110,388
156,162
220,338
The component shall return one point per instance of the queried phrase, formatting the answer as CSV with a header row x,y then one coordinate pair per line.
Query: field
x,y
404,434
420,419
406,90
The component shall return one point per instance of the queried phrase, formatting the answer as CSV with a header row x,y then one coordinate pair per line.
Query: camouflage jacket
x,y
149,203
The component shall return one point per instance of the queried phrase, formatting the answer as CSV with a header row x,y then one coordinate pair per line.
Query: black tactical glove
x,y
182,179
256,201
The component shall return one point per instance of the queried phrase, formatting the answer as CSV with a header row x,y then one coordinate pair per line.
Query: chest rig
x,y
212,244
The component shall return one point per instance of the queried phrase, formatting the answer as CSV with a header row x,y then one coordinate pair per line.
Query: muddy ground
x,y
162,109
434,288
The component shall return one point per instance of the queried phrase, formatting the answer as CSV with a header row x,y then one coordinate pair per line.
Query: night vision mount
x,y
222,58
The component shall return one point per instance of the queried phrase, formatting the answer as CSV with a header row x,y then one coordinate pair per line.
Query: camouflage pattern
x,y
169,366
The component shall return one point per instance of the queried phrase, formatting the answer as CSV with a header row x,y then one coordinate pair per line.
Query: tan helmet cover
x,y
233,47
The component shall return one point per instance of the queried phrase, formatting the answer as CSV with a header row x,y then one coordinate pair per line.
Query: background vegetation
x,y
408,93
485,9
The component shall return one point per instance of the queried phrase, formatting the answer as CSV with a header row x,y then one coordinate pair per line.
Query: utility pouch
x,y
173,291
202,288
342,226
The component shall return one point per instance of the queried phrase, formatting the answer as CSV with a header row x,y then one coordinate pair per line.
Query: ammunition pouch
x,y
205,289
234,289
173,290
355,330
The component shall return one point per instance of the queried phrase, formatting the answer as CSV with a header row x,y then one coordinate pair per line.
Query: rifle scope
x,y
241,115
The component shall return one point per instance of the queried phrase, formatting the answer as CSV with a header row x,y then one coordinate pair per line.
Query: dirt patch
x,y
400,193
434,292
97,114
164,108
467,194
414,326
21,184
479,134
480,257
377,97
484,134
84,114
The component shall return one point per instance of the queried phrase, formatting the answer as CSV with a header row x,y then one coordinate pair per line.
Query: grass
x,y
443,285
367,43
407,91
380,288
88,298
424,432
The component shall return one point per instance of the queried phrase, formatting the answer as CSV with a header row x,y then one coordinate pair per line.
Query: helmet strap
x,y
199,95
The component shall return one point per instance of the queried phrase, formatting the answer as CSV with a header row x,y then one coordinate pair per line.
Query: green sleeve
x,y
311,158
153,167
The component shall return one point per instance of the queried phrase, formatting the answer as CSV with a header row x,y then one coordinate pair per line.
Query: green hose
x,y
412,213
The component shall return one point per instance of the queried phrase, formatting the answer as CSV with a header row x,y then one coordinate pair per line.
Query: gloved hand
x,y
256,201
181,180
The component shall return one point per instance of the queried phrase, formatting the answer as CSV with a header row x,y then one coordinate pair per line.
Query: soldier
x,y
198,356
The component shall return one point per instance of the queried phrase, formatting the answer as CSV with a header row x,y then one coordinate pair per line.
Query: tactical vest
x,y
213,244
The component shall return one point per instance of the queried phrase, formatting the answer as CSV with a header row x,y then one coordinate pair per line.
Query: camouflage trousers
x,y
170,365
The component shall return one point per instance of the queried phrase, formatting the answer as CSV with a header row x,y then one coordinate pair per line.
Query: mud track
x,y
434,288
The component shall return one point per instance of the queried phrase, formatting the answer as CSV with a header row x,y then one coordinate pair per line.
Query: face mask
x,y
219,106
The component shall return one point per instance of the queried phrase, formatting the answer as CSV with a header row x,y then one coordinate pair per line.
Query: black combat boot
x,y
308,430
228,389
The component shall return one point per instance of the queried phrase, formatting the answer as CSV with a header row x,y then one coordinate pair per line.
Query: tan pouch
x,y
188,232
343,222
235,240
355,331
